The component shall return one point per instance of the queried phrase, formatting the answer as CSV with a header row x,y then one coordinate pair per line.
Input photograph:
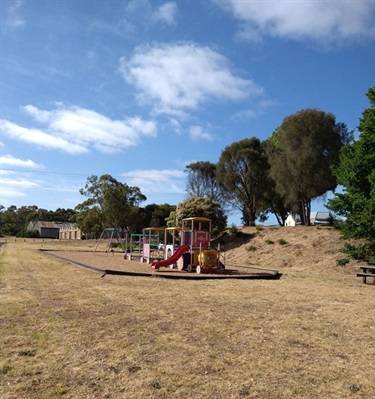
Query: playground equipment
x,y
172,239
194,253
147,247
152,238
109,234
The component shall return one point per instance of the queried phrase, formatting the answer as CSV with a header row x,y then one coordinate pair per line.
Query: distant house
x,y
321,218
68,231
45,229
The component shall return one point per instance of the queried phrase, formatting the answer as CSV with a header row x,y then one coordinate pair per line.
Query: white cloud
x,y
154,181
37,114
13,186
39,138
9,160
76,130
175,124
21,183
322,21
176,78
166,13
197,133
9,192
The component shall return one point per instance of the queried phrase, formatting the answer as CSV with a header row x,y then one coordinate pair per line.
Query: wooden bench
x,y
367,271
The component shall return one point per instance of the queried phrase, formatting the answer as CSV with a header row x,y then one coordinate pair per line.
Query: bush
x,y
233,229
251,248
270,242
342,261
28,234
281,241
365,252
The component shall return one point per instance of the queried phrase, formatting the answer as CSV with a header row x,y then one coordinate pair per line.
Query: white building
x,y
321,218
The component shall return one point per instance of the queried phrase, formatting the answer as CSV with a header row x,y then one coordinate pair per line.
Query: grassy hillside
x,y
65,332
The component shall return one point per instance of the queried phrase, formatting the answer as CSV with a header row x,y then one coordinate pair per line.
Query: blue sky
x,y
139,89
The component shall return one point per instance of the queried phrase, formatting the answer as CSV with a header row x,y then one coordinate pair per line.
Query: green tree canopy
x,y
201,182
199,207
13,220
115,202
356,173
154,215
301,154
243,171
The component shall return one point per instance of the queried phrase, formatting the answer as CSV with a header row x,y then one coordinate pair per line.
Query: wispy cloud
x,y
77,130
14,185
166,13
9,160
197,133
147,16
261,108
153,182
321,21
13,19
176,78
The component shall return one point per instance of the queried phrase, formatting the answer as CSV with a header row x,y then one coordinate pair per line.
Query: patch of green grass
x,y
5,369
342,261
270,242
259,228
251,248
281,241
354,388
27,353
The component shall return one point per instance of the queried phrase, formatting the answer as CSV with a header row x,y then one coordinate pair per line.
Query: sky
x,y
139,89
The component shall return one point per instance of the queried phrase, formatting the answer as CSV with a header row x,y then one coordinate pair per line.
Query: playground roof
x,y
154,228
198,219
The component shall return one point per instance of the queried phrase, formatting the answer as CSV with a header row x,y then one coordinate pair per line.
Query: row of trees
x,y
13,220
306,156
282,174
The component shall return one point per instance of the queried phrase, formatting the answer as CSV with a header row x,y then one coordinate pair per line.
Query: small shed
x,y
292,220
318,217
324,218
45,229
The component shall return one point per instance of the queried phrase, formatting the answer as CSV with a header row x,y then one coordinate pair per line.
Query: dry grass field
x,y
67,332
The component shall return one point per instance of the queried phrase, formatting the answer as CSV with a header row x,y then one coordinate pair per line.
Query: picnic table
x,y
368,271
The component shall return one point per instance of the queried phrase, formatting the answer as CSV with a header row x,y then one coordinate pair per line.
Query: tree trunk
x,y
305,211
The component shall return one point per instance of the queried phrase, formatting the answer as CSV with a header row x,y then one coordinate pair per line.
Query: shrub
x,y
251,248
5,369
270,242
28,234
365,252
27,353
233,229
259,228
342,262
281,241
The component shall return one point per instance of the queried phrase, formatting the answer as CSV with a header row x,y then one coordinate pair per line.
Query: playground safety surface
x,y
114,263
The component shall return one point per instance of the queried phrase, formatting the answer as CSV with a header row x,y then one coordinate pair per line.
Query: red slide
x,y
172,259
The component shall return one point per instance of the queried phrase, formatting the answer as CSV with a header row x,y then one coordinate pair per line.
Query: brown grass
x,y
65,332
